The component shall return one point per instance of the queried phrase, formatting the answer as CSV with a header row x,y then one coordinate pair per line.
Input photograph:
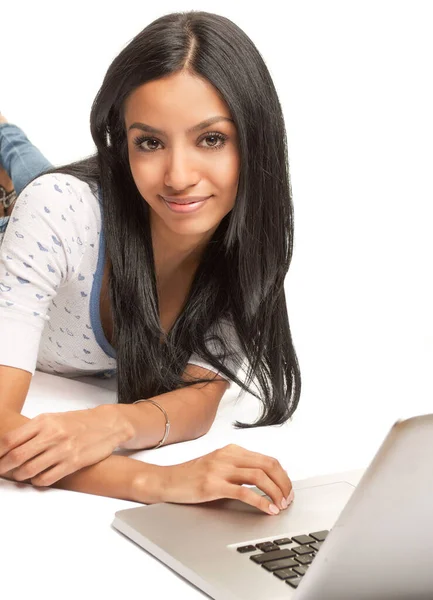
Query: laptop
x,y
336,541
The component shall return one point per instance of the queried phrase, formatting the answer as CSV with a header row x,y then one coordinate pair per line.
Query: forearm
x,y
114,476
191,412
141,426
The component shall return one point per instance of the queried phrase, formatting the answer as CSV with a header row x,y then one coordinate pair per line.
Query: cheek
x,y
227,168
145,177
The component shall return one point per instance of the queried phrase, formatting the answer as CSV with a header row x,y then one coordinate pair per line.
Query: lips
x,y
181,203
185,207
185,200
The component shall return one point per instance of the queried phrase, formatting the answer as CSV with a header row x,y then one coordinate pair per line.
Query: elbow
x,y
206,424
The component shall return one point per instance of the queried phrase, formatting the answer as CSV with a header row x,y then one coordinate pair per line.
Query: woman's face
x,y
176,162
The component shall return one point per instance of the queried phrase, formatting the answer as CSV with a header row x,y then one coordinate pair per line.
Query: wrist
x,y
119,424
146,423
147,485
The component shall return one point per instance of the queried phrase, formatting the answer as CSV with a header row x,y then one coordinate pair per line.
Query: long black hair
x,y
235,316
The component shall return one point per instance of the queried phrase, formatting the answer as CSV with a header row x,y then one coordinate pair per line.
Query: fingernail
x,y
290,497
283,503
274,509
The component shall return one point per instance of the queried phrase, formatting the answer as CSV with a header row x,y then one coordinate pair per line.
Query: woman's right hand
x,y
221,474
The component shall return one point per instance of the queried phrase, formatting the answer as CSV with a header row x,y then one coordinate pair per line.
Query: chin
x,y
192,228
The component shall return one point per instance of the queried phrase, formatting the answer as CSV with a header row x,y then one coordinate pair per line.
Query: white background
x,y
354,80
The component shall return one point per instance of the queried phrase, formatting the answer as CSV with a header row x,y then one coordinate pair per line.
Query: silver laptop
x,y
334,542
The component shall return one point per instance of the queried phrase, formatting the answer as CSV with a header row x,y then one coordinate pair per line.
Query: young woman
x,y
160,259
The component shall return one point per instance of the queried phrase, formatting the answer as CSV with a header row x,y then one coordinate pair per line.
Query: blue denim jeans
x,y
21,160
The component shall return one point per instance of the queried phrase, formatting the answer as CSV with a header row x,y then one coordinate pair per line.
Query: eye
x,y
216,136
140,140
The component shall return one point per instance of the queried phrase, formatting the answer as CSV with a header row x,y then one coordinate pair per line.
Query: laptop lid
x,y
381,546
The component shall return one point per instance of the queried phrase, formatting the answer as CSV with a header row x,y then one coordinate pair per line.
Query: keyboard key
x,y
269,548
301,570
315,546
245,548
283,563
320,536
285,573
275,555
302,549
304,560
294,582
283,541
304,539
263,545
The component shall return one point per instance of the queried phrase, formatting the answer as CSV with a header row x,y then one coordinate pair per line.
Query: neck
x,y
173,251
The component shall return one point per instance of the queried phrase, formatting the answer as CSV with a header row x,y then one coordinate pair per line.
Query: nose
x,y
182,171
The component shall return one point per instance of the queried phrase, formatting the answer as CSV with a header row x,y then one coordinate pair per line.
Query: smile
x,y
184,208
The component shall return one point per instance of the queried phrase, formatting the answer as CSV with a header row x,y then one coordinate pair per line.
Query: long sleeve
x,y
40,252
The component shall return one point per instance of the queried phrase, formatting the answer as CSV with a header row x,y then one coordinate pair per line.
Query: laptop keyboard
x,y
287,558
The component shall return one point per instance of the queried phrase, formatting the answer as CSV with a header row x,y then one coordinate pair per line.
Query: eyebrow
x,y
197,127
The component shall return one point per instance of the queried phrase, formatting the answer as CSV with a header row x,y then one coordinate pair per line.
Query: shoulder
x,y
57,215
61,188
59,201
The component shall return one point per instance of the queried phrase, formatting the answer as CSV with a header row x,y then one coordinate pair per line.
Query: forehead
x,y
173,101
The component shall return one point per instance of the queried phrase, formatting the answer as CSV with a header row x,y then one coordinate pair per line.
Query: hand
x,y
221,474
54,445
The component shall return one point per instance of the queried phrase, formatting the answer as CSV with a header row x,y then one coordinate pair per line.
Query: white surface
x,y
353,83
55,540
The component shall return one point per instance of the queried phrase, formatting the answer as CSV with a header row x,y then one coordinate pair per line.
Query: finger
x,y
37,465
244,494
262,481
21,454
18,436
58,462
53,475
243,458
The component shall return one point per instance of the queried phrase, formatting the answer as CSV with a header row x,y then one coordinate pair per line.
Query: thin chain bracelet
x,y
167,422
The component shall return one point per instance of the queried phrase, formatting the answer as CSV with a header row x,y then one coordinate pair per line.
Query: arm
x,y
114,477
191,412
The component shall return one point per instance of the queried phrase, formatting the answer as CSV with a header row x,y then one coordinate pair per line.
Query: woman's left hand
x,y
54,445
